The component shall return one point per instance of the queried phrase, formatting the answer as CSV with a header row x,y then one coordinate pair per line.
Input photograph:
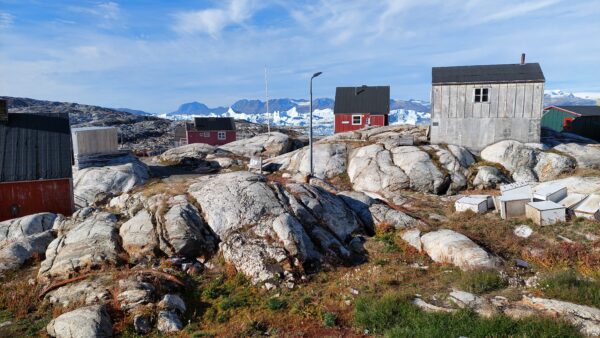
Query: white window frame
x,y
483,92
368,121
359,121
345,122
221,135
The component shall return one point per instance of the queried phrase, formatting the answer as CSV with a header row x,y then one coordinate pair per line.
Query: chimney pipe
x,y
3,111
523,59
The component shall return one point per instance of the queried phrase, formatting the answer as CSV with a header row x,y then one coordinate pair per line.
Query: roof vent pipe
x,y
523,59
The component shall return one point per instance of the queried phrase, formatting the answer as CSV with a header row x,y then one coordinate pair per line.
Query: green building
x,y
580,120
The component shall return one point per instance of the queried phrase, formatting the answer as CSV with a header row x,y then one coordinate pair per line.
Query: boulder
x,y
424,174
14,253
118,176
329,160
134,293
587,156
489,178
24,226
526,162
576,184
413,238
551,165
138,235
92,242
168,322
195,152
172,303
88,292
268,144
372,169
90,321
448,246
510,154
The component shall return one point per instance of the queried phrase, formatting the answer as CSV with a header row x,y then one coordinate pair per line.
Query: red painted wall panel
x,y
343,122
212,138
32,197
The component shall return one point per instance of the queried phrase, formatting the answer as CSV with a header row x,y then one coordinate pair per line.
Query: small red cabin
x,y
215,131
359,107
35,164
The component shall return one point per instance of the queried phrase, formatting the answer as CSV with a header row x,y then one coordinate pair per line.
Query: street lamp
x,y
310,137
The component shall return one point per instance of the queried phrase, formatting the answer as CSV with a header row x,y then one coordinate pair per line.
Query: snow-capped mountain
x,y
557,97
295,113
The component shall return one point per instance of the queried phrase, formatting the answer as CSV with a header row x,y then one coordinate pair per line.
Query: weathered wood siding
x,y
513,111
87,141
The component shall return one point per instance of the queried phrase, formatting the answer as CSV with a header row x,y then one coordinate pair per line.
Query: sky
x,y
156,55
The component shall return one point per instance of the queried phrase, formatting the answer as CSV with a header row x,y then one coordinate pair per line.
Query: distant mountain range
x,y
294,112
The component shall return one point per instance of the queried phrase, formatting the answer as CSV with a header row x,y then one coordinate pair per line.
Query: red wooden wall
x,y
32,197
343,122
212,139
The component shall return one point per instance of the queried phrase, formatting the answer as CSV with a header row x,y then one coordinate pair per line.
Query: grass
x,y
329,319
276,304
394,316
480,282
570,286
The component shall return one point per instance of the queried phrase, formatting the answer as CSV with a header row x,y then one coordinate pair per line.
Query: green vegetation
x,y
481,281
396,316
276,304
570,286
329,319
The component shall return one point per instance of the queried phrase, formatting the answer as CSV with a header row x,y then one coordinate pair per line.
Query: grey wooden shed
x,y
475,106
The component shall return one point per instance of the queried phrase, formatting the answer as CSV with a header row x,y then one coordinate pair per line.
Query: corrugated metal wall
x,y
587,126
35,146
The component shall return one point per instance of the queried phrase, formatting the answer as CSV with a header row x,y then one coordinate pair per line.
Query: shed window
x,y
356,120
221,135
481,95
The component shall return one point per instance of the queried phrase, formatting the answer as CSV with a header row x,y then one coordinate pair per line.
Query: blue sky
x,y
155,55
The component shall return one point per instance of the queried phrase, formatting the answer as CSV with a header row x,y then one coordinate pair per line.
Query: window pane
x,y
477,98
484,98
477,91
485,91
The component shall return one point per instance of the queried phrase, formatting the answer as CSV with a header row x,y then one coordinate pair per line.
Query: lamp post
x,y
310,137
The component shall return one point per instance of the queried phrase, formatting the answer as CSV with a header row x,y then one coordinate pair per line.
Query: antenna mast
x,y
267,101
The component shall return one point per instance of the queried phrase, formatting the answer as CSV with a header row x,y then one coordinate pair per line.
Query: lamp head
x,y
316,74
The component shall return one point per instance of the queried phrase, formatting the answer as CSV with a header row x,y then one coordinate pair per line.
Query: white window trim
x,y
489,91
219,133
359,123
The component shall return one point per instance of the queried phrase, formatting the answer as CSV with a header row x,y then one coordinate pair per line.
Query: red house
x,y
35,164
359,107
211,130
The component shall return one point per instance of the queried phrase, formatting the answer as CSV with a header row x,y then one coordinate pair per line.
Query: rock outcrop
x,y
118,176
266,145
195,153
526,162
24,237
587,156
89,243
271,231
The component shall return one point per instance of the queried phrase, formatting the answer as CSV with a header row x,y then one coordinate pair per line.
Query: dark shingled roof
x,y
35,147
582,110
362,100
511,73
212,123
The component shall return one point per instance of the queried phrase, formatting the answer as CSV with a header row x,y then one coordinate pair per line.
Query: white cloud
x,y
213,20
6,20
512,11
107,12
